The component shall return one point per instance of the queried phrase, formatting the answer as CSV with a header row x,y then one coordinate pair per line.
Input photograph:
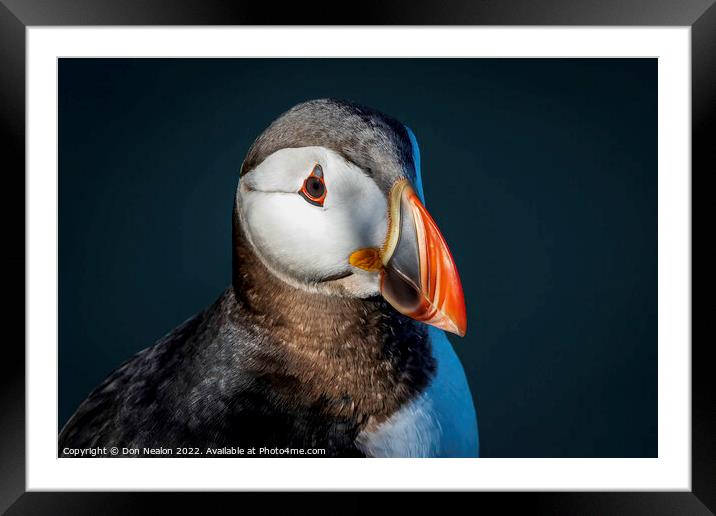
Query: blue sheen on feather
x,y
416,160
452,401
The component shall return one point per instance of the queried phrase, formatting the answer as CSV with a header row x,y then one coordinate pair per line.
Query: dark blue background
x,y
542,174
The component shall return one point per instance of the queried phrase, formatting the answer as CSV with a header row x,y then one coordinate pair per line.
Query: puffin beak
x,y
418,274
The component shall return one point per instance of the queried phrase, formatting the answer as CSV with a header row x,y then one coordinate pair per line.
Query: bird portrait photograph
x,y
369,258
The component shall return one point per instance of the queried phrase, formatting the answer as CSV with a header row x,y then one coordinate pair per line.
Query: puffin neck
x,y
355,358
277,304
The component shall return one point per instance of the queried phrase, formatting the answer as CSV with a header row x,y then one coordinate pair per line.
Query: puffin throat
x,y
352,357
322,316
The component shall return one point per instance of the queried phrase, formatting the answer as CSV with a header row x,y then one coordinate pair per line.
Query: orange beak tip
x,y
455,321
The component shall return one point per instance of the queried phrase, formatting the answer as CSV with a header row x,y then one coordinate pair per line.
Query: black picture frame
x,y
17,15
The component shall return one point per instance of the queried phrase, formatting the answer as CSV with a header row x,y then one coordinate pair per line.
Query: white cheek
x,y
308,241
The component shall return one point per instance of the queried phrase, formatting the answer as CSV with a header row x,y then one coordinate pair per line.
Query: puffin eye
x,y
314,188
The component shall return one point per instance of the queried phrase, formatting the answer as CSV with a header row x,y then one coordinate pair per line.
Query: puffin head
x,y
330,201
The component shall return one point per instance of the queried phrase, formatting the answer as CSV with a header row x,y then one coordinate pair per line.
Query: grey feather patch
x,y
377,143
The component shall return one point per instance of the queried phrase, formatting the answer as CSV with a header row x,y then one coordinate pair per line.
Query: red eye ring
x,y
314,187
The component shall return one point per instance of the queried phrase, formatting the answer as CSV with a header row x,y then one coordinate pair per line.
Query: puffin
x,y
332,334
